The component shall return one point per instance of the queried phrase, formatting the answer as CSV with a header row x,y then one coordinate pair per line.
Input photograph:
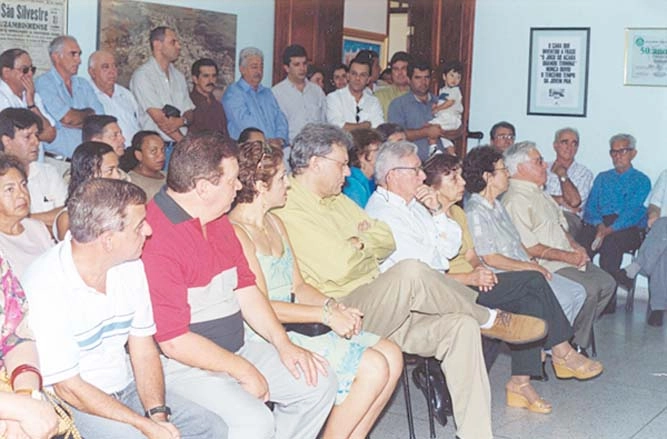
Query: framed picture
x,y
124,28
31,25
645,56
355,40
558,71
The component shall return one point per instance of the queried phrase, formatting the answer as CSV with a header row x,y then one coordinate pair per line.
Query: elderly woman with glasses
x,y
22,238
359,185
524,291
366,366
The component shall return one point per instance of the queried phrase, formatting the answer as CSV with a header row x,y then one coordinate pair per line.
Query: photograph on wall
x,y
355,41
646,56
31,25
124,28
558,71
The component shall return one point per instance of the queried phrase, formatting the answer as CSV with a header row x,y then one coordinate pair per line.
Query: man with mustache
x,y
208,114
117,100
248,103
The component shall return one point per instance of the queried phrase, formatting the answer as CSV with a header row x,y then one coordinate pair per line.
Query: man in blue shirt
x,y
615,213
413,110
68,98
248,103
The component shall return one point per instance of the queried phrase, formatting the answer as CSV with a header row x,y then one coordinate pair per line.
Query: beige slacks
x,y
428,314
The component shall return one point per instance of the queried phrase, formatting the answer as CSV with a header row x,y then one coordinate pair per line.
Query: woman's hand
x,y
344,321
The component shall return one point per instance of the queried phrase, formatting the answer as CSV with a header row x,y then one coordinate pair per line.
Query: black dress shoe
x,y
655,317
611,306
623,280
440,400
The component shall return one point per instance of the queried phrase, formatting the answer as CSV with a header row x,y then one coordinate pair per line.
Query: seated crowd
x,y
255,266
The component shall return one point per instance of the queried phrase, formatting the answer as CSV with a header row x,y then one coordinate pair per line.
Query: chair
x,y
406,392
629,301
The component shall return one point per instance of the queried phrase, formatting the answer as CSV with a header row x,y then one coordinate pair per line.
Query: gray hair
x,y
316,140
100,205
518,154
566,130
57,44
249,52
390,156
95,54
632,142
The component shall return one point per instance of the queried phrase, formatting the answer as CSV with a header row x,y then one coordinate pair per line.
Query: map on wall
x,y
124,27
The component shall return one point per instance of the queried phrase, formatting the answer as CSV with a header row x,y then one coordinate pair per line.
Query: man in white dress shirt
x,y
117,100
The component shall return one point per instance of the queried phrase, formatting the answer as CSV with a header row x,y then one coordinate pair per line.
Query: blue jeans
x,y
192,420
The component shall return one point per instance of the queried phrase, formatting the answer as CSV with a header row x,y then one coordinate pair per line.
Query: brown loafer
x,y
516,328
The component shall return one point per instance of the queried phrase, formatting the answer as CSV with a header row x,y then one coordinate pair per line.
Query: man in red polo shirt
x,y
202,291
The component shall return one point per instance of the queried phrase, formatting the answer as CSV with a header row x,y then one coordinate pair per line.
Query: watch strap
x,y
159,409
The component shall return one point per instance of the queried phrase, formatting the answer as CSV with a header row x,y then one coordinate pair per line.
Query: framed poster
x,y
124,27
558,71
355,40
645,56
31,25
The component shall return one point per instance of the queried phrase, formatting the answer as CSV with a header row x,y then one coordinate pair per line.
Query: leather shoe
x,y
611,306
439,400
655,317
516,328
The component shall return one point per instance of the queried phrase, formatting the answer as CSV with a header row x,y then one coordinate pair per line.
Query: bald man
x,y
117,100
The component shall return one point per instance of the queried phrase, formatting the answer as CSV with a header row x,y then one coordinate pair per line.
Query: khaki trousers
x,y
428,314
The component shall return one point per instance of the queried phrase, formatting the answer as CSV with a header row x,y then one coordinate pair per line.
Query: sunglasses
x,y
27,69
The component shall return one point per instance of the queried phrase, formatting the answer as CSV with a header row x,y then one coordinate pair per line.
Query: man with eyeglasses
x,y
543,231
68,98
615,214
354,106
117,100
17,89
414,111
340,249
502,135
569,182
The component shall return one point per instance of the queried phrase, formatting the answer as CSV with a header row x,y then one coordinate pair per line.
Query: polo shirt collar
x,y
526,186
69,269
300,192
392,198
6,89
171,209
430,98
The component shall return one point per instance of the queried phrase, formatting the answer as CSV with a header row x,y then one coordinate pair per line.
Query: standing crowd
x,y
256,266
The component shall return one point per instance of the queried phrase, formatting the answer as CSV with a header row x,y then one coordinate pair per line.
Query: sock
x,y
492,318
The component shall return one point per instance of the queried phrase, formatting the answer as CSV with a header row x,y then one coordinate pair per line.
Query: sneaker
x,y
516,328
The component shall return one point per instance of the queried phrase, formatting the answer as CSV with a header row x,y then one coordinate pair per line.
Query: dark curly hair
x,y
478,161
362,139
258,161
86,163
438,166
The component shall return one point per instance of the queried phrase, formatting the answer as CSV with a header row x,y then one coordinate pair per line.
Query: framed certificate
x,y
645,56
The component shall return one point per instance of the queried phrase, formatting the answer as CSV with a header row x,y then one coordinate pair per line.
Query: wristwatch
x,y
159,409
563,179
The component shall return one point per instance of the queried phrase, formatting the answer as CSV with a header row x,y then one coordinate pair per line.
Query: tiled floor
x,y
629,400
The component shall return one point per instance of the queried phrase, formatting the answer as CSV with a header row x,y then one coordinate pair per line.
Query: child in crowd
x,y
447,112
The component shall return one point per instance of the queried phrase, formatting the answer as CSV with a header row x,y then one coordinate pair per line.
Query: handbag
x,y
66,427
309,329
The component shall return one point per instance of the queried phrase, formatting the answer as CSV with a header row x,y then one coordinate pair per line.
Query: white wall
x,y
500,77
398,33
368,15
254,25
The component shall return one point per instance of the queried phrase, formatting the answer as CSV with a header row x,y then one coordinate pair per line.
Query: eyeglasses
x,y
344,164
505,136
357,115
266,150
620,151
415,169
504,169
26,69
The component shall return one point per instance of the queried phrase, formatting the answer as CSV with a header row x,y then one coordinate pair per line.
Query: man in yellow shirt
x,y
339,249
